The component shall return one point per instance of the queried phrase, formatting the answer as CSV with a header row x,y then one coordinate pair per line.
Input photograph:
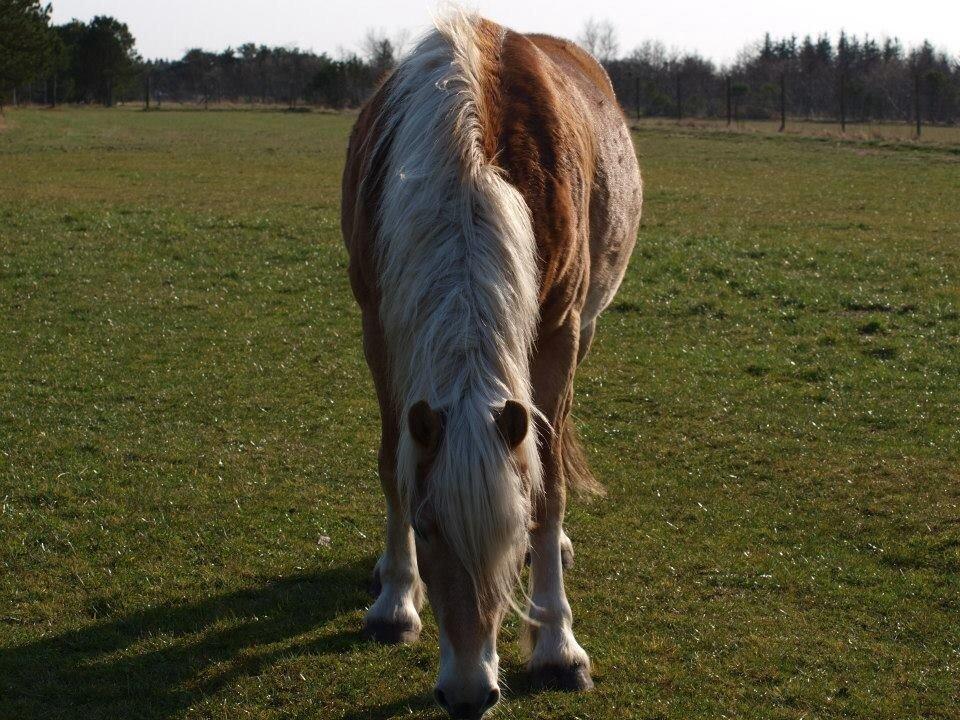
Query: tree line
x,y
270,75
74,62
852,79
97,62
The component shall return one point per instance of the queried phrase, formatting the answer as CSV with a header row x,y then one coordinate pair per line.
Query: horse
x,y
491,201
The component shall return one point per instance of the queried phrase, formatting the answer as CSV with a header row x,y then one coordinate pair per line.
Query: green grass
x,y
189,507
944,137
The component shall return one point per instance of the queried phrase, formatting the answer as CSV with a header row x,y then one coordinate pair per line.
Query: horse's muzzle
x,y
467,710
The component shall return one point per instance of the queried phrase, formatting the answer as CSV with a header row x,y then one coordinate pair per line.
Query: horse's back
x,y
559,134
615,189
578,64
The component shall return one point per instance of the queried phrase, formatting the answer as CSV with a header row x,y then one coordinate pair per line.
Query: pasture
x,y
189,507
941,137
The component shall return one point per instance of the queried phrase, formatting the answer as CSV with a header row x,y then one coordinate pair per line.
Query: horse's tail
x,y
580,481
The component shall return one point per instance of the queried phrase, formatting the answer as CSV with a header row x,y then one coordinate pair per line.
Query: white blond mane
x,y
458,278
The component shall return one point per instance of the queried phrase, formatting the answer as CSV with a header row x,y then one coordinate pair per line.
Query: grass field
x,y
189,508
945,138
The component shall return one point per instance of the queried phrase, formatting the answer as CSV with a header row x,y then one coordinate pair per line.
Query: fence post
x,y
729,103
638,94
916,101
783,101
843,102
679,99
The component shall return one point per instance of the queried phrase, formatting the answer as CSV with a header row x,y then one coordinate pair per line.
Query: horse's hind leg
x,y
556,659
394,616
586,339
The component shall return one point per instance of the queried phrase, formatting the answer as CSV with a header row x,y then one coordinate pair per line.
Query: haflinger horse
x,y
491,200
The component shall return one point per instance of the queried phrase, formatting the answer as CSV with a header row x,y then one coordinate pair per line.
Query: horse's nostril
x,y
440,698
492,699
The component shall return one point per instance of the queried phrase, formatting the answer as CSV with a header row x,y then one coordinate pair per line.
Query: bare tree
x,y
599,38
402,41
653,53
379,52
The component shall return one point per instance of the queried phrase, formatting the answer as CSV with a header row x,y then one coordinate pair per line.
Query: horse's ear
x,y
425,425
512,422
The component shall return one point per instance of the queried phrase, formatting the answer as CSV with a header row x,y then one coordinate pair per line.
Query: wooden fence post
x,y
729,103
638,95
843,102
783,101
916,101
679,99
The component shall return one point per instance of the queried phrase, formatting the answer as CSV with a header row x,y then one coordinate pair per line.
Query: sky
x,y
717,30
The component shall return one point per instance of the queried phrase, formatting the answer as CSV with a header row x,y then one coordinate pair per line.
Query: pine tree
x,y
25,42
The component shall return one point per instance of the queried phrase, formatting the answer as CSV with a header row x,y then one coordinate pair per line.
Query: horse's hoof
x,y
391,633
569,678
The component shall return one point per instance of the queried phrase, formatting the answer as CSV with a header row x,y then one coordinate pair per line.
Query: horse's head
x,y
469,506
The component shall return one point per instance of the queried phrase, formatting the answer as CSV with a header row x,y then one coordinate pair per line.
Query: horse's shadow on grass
x,y
158,662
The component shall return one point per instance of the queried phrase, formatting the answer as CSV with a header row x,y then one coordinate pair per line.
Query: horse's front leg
x,y
394,616
556,659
